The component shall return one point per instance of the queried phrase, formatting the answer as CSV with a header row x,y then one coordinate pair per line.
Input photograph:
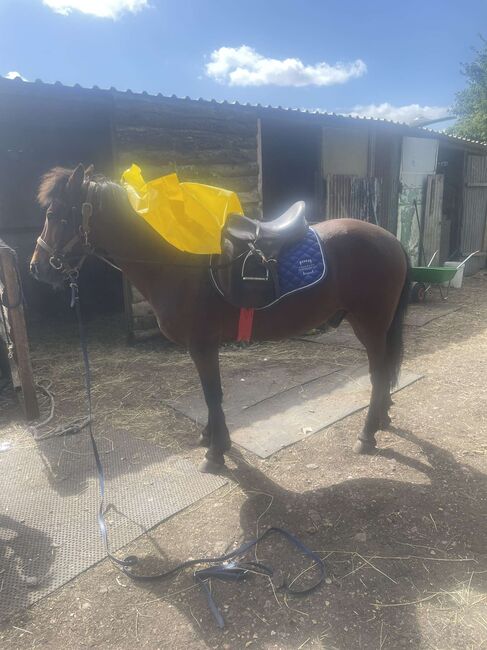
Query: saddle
x,y
246,271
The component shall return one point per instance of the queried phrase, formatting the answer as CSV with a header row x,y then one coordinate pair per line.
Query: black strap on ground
x,y
223,567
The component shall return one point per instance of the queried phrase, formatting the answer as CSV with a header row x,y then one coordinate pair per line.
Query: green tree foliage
x,y
471,103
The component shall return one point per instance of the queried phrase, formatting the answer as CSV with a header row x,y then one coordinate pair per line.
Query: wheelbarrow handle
x,y
466,259
431,260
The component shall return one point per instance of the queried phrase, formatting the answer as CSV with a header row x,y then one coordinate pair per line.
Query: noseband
x,y
59,257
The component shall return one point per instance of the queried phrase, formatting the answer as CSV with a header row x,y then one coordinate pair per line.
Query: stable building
x,y
428,188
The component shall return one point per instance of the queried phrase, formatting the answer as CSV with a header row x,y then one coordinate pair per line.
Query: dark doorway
x,y
37,134
450,164
291,168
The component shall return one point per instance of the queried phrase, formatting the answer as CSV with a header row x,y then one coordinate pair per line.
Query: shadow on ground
x,y
26,555
397,553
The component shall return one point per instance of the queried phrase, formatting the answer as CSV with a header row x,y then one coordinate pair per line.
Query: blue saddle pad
x,y
301,265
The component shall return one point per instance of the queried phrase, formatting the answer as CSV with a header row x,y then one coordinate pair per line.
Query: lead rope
x,y
221,567
73,284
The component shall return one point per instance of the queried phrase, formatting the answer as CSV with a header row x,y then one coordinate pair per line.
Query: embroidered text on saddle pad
x,y
301,265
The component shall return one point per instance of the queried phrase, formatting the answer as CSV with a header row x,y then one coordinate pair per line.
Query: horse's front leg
x,y
215,435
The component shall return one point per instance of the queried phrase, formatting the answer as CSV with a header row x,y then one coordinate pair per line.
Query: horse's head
x,y
62,244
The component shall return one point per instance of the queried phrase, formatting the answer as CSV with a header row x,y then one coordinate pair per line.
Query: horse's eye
x,y
52,215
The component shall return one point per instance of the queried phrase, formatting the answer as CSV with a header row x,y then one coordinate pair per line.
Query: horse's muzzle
x,y
34,269
44,272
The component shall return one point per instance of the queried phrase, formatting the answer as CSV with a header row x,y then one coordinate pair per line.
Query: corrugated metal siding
x,y
353,197
387,161
39,89
474,205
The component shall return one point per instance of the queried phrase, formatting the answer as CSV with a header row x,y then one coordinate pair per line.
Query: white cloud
x,y
243,66
410,113
13,75
99,8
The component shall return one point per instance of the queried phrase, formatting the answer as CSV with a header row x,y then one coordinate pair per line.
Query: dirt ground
x,y
403,532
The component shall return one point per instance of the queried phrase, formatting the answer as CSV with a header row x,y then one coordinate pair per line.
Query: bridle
x,y
59,258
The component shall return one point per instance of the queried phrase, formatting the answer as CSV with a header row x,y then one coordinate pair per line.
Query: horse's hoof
x,y
364,447
211,466
227,446
204,440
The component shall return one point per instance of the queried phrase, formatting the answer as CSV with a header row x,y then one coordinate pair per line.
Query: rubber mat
x,y
49,499
244,387
285,417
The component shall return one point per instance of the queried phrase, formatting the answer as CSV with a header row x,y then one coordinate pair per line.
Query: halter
x,y
58,257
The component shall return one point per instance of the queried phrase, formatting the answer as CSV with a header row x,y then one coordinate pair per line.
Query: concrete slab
x,y
287,416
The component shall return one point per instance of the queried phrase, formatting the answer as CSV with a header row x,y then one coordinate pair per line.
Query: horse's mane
x,y
51,185
54,181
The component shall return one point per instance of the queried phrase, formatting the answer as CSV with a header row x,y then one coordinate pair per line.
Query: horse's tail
x,y
395,343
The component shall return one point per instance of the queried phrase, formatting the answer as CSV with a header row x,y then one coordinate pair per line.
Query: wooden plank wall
x,y
202,142
14,332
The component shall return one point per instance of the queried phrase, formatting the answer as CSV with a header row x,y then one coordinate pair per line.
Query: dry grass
x,y
130,385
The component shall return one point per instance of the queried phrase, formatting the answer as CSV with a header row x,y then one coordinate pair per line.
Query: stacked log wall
x,y
203,142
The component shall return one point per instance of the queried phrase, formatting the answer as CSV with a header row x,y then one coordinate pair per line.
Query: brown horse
x,y
367,283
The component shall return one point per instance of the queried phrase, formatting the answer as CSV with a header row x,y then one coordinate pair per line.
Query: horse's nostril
x,y
33,269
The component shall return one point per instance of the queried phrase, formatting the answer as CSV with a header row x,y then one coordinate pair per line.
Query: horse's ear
x,y
89,171
76,179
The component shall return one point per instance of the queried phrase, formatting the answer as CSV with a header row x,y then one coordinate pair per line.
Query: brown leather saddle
x,y
245,272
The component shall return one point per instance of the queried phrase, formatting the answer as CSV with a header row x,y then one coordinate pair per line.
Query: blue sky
x,y
393,59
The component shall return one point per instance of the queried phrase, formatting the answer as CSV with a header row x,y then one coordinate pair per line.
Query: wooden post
x,y
12,304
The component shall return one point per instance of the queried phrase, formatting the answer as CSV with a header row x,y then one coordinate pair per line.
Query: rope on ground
x,y
44,386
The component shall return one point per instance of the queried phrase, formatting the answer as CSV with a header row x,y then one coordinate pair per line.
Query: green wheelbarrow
x,y
424,277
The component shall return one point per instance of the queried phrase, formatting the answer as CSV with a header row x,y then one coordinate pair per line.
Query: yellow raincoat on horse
x,y
190,216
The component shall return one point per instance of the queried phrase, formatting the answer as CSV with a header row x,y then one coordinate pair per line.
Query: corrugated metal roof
x,y
419,130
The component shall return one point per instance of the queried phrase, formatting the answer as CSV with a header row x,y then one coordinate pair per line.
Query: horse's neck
x,y
121,234
172,281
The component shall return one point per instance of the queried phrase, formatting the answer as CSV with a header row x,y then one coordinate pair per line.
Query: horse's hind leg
x,y
377,417
215,435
